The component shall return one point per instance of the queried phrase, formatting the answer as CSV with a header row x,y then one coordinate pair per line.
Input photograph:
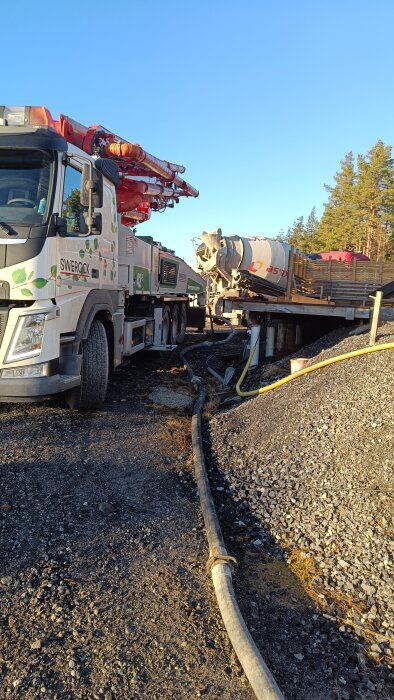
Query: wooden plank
x,y
304,299
375,317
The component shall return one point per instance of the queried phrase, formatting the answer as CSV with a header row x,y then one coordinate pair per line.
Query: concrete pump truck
x,y
79,290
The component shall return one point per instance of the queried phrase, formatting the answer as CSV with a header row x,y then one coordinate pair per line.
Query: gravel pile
x,y
305,479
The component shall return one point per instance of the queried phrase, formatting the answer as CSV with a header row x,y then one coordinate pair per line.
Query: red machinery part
x,y
133,161
73,131
129,199
135,154
135,198
131,218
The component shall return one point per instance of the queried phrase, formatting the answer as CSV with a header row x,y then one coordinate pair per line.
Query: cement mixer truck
x,y
236,265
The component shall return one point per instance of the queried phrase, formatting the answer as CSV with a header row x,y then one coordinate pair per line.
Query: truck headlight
x,y
27,339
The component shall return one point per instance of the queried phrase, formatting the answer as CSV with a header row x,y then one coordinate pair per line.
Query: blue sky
x,y
259,100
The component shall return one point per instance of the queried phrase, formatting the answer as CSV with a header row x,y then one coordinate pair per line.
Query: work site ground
x,y
103,588
104,592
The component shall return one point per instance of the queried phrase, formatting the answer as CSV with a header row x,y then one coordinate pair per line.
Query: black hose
x,y
219,562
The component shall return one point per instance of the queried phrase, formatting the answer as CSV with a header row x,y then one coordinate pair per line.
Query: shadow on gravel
x,y
312,656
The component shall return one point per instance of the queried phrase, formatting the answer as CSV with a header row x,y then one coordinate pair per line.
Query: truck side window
x,y
72,208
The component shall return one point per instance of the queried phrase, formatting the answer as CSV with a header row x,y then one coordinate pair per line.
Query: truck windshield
x,y
25,185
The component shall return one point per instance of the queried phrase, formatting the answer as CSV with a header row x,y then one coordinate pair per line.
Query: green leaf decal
x,y
87,244
19,276
96,243
39,282
26,292
82,253
54,270
90,251
31,275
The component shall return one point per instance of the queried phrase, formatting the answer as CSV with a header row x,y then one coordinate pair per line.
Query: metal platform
x,y
349,313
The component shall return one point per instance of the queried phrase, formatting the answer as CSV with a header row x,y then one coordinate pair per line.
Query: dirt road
x,y
103,590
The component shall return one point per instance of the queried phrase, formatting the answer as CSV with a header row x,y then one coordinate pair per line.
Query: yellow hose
x,y
306,370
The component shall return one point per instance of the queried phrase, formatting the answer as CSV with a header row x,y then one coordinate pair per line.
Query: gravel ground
x,y
304,482
103,589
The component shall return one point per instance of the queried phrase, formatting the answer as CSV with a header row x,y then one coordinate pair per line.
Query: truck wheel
x,y
165,325
90,394
174,324
182,324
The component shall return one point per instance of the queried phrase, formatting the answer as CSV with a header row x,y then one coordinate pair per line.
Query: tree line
x,y
359,213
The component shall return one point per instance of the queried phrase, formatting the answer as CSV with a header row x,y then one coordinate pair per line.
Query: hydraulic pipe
x,y
96,138
123,149
149,188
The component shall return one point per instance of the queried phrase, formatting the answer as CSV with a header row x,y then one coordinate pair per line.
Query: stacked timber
x,y
340,281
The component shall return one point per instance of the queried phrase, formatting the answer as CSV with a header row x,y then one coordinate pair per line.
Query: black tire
x,y
165,325
174,324
182,324
90,394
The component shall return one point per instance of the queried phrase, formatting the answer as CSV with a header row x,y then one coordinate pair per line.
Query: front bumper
x,y
36,388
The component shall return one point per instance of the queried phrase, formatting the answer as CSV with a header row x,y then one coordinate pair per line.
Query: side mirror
x,y
91,187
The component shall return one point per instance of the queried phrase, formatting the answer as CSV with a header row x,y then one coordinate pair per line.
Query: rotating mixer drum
x,y
241,263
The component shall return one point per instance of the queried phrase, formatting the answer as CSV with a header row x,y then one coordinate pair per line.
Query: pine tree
x,y
359,214
295,234
302,236
339,224
281,236
375,201
310,230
